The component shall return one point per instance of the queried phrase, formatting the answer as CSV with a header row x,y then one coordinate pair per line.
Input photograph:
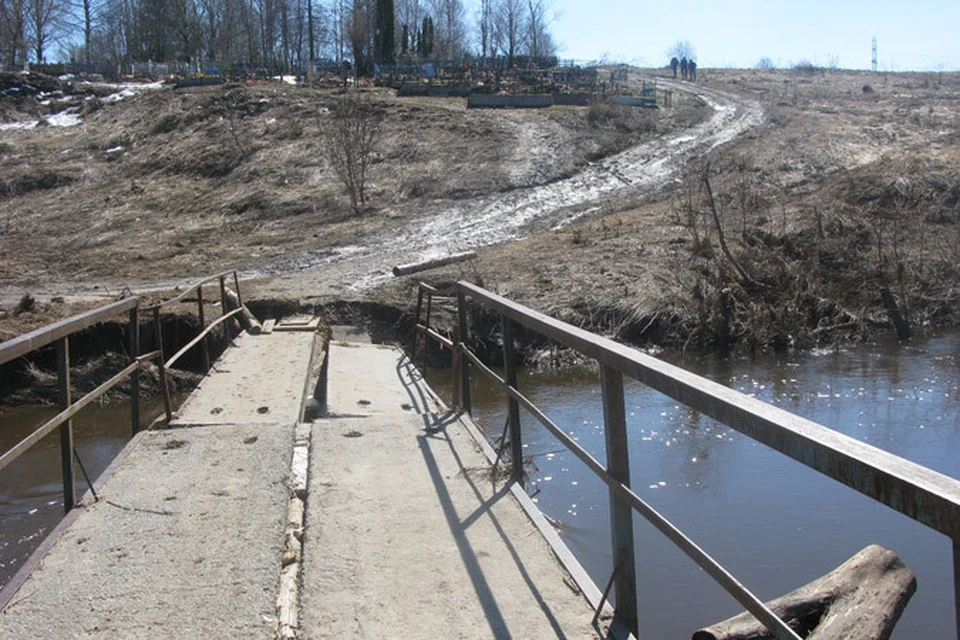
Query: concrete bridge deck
x,y
405,535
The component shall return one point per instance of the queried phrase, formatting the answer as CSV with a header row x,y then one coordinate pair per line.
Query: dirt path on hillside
x,y
352,270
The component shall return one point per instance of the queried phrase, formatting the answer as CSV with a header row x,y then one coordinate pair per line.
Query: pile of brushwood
x,y
873,251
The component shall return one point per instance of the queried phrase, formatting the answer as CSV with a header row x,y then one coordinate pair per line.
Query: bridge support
x,y
621,513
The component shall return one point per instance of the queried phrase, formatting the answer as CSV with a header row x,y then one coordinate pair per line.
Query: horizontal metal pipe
x,y
28,342
928,497
193,343
444,341
190,288
17,450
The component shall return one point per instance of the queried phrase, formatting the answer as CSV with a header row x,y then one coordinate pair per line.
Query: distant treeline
x,y
279,35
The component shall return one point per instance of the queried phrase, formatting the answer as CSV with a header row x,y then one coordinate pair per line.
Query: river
x,y
773,522
31,489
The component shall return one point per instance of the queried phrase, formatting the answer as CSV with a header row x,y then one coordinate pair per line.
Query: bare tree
x,y
539,41
449,40
13,19
508,33
352,132
682,49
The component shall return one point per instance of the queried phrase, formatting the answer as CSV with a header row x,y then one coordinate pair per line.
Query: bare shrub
x,y
352,132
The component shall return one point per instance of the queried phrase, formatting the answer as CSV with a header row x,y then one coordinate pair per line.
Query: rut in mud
x,y
523,212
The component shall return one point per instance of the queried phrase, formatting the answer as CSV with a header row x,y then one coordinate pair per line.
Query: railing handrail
x,y
188,289
22,345
929,497
918,492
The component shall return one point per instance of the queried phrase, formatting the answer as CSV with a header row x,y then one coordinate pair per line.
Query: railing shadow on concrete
x,y
928,497
434,427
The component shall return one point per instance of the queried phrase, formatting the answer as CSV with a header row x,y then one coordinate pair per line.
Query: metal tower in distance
x,y
873,58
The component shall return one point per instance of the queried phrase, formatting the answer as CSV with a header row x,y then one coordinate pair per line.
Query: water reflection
x,y
772,521
31,488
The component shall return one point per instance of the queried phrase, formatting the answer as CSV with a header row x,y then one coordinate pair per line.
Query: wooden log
x,y
247,320
863,598
407,269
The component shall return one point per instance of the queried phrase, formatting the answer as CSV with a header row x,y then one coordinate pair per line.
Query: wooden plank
x,y
922,494
308,325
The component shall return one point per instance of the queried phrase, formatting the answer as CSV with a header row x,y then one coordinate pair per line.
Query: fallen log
x,y
247,320
863,598
407,269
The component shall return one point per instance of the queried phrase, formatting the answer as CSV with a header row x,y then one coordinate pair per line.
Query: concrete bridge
x,y
378,519
314,488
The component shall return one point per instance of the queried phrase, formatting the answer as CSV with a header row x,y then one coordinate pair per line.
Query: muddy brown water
x,y
773,522
31,488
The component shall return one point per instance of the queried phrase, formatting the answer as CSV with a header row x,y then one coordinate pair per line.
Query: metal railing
x,y
60,333
930,498
202,339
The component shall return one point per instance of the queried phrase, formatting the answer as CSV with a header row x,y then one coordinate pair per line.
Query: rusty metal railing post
x,y
236,283
621,513
134,347
227,326
158,338
66,429
426,341
513,407
457,400
464,362
416,324
204,348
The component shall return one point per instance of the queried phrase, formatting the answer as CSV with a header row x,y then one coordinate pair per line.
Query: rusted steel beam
x,y
928,497
28,342
621,514
66,427
513,407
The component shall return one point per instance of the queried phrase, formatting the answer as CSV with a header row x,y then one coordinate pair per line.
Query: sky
x,y
914,35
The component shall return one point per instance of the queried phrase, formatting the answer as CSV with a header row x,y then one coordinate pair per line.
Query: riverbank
x,y
835,199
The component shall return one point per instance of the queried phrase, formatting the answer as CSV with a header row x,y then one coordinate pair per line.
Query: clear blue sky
x,y
911,35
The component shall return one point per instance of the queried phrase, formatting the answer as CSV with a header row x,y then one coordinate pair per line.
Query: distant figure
x,y
674,63
692,70
683,67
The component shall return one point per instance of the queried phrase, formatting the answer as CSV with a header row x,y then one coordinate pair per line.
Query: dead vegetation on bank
x,y
837,221
838,214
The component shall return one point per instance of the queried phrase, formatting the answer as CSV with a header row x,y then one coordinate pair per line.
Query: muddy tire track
x,y
513,215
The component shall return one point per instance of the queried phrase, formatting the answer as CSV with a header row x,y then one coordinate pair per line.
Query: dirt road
x,y
503,217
